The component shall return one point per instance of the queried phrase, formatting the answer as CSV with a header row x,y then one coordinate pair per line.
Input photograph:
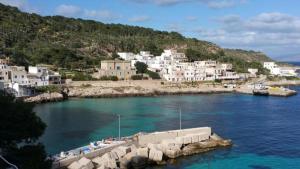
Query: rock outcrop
x,y
45,97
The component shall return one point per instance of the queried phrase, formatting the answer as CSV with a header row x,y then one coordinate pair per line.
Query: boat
x,y
261,92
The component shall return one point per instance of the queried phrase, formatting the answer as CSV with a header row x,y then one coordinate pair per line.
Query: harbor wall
x,y
157,137
90,155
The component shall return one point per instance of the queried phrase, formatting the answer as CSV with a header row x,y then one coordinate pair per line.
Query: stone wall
x,y
159,136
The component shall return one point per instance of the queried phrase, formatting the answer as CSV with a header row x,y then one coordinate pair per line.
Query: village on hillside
x,y
171,66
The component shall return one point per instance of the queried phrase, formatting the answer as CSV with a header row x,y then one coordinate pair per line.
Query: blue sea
x,y
265,130
295,63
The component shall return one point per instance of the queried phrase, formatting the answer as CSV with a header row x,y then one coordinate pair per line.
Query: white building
x,y
280,71
172,66
126,56
17,81
5,73
198,71
273,67
42,76
288,72
253,71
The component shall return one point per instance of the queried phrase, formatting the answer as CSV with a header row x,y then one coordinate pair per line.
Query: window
x,y
16,77
22,76
118,67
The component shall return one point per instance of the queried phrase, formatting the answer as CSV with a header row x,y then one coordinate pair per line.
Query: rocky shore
x,y
45,97
108,89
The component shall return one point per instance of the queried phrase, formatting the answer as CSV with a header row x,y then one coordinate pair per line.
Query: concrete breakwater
x,y
146,149
270,91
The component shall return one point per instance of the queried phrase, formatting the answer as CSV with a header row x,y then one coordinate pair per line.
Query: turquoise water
x,y
265,130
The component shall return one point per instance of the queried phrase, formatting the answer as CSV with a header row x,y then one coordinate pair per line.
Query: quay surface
x,y
270,91
144,149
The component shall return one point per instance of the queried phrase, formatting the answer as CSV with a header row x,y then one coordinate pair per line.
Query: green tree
x,y
20,129
115,55
141,67
153,75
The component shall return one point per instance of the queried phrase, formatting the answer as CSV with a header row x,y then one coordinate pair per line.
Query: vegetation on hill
x,y
76,43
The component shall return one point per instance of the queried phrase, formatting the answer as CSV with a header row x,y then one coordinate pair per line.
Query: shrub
x,y
153,75
218,81
137,77
79,76
86,85
50,88
112,78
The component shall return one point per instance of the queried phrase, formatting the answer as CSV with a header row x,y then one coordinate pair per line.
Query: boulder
x,y
120,152
102,167
125,149
106,161
143,152
98,160
133,147
173,153
87,163
130,155
155,155
152,146
75,165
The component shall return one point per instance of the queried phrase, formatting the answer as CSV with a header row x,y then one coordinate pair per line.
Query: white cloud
x,y
221,4
76,11
192,18
139,19
103,15
16,3
68,10
217,4
161,2
20,4
270,32
175,27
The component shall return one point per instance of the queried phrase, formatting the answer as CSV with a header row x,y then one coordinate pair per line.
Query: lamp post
x,y
180,118
119,127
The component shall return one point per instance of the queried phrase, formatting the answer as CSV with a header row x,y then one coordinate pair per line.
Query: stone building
x,y
120,68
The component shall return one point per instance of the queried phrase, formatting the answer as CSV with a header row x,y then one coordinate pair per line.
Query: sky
x,y
269,26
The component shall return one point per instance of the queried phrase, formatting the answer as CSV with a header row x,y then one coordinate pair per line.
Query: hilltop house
x,y
120,68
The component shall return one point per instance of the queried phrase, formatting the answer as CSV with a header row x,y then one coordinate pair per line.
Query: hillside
x,y
76,43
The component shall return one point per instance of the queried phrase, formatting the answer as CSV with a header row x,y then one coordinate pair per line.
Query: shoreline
x,y
149,88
